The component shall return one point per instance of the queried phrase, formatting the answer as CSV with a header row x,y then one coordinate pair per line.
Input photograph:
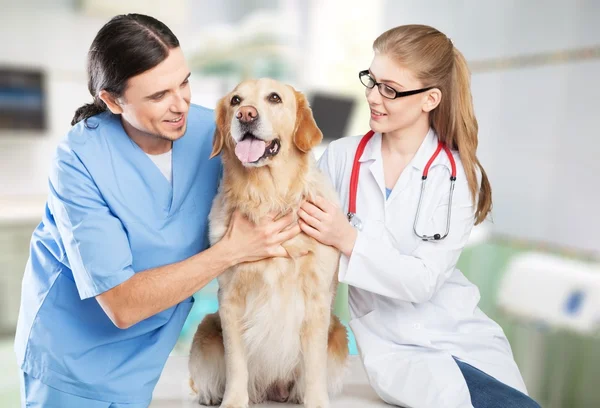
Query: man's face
x,y
156,102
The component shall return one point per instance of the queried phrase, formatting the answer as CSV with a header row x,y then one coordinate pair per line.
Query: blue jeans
x,y
487,392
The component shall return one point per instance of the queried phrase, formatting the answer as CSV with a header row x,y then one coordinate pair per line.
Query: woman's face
x,y
157,101
389,115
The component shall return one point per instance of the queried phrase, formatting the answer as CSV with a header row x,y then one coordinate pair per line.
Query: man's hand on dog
x,y
262,240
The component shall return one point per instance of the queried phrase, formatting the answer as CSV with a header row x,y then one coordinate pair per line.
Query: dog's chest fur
x,y
273,293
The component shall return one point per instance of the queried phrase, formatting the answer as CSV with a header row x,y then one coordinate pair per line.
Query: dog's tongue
x,y
250,150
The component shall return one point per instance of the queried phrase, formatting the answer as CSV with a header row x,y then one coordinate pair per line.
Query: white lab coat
x,y
411,309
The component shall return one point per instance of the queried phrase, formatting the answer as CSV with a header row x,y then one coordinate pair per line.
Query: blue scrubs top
x,y
111,213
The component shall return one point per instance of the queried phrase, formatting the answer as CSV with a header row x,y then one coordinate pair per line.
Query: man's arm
x,y
151,291
98,249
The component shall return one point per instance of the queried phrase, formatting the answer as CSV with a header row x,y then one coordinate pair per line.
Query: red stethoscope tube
x,y
356,222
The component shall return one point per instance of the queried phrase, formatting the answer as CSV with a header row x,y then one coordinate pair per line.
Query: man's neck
x,y
150,144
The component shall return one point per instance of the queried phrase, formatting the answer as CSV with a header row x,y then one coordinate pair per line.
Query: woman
x,y
122,245
422,338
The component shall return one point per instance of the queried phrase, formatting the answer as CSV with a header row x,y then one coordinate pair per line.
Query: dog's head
x,y
262,121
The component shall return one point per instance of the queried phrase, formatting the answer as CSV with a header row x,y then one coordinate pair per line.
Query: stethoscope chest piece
x,y
355,221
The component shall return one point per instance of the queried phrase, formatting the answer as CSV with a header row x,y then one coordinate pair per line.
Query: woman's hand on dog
x,y
254,242
325,222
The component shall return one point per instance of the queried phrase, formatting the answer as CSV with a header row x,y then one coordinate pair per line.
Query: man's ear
x,y
111,102
306,134
222,127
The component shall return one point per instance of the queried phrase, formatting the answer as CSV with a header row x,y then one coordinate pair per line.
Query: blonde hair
x,y
434,60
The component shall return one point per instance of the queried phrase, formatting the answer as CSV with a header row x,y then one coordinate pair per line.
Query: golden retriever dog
x,y
275,336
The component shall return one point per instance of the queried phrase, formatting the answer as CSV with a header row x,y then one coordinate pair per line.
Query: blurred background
x,y
535,84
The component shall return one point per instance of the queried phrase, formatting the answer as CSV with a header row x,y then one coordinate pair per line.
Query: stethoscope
x,y
357,223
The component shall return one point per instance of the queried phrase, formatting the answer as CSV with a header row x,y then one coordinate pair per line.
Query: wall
x,y
538,137
537,140
57,43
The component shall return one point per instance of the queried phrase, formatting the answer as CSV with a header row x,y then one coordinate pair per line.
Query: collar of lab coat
x,y
373,150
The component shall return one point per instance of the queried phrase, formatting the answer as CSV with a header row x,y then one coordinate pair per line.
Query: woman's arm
x,y
371,259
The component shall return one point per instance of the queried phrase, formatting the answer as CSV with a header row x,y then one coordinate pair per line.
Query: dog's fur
x,y
275,336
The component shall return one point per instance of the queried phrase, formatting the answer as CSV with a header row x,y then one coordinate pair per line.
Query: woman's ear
x,y
222,128
306,134
433,99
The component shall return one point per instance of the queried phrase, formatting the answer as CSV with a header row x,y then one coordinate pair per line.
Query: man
x,y
122,246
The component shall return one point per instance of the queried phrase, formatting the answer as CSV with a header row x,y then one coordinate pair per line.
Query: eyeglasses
x,y
385,90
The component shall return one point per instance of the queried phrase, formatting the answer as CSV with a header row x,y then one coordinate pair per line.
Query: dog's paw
x,y
235,403
209,401
316,402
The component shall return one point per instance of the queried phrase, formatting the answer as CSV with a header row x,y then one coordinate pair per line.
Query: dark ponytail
x,y
125,47
88,110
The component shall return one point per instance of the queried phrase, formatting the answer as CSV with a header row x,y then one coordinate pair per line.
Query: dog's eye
x,y
236,100
274,98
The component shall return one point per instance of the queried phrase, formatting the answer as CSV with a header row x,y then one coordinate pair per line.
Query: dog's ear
x,y
222,127
307,134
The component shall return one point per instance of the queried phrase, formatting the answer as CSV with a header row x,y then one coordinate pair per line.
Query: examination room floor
x,y
172,390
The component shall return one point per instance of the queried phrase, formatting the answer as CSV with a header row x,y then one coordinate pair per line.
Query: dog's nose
x,y
247,114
